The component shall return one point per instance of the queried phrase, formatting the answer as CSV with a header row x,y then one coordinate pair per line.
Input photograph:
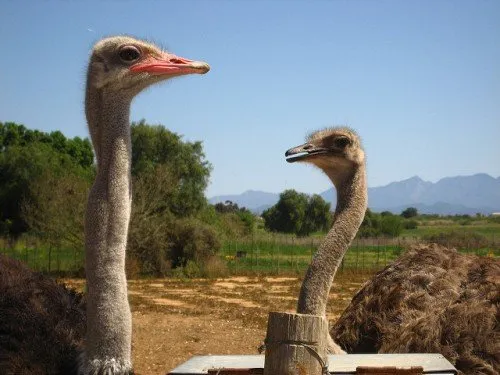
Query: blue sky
x,y
419,80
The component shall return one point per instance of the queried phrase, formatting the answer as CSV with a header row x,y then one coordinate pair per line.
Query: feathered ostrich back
x,y
431,299
38,319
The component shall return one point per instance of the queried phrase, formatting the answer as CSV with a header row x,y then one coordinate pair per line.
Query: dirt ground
x,y
176,319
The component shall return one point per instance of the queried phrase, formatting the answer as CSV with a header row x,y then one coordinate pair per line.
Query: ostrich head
x,y
127,65
337,151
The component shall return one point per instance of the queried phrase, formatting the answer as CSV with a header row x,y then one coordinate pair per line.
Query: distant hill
x,y
448,196
256,201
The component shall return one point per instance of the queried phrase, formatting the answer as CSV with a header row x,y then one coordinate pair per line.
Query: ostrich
x,y
430,300
338,152
44,328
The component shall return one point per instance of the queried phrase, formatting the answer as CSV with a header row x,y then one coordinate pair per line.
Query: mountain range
x,y
448,196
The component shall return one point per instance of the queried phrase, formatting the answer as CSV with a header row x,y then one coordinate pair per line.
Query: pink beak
x,y
170,64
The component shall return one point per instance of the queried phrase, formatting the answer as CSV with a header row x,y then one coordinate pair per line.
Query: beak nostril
x,y
177,61
307,147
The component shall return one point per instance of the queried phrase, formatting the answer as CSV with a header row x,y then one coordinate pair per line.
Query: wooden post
x,y
296,344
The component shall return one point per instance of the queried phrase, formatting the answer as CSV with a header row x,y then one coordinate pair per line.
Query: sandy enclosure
x,y
176,319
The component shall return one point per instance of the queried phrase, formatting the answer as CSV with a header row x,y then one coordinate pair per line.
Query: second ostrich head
x,y
337,151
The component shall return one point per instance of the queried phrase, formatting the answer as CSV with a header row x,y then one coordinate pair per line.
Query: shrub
x,y
409,212
410,224
367,232
297,213
248,220
132,267
192,240
391,225
214,267
494,219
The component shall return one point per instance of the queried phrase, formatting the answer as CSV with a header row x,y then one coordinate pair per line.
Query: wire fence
x,y
45,258
271,254
277,253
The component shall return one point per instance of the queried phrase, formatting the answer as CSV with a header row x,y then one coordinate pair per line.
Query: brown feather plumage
x,y
431,299
39,318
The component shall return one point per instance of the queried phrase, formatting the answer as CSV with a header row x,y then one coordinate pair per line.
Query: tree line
x,y
302,215
45,179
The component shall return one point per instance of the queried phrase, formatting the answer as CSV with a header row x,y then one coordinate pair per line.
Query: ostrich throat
x,y
106,228
349,213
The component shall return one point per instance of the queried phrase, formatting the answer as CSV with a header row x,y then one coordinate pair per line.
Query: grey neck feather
x,y
109,323
351,206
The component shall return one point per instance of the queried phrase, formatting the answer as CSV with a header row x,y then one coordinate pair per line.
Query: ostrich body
x,y
430,300
338,152
119,68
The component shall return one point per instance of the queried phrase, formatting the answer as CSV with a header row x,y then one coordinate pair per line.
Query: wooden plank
x,y
338,364
388,370
236,371
429,362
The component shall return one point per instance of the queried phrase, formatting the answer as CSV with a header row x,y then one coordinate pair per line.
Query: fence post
x,y
357,258
58,261
363,259
258,248
296,344
251,258
378,256
74,261
34,250
276,247
50,253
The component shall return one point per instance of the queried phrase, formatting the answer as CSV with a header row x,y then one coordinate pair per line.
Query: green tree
x,y
410,224
159,239
380,224
248,219
228,206
317,216
391,225
370,227
409,212
45,179
288,214
21,168
297,213
155,145
25,156
56,207
232,210
79,150
168,227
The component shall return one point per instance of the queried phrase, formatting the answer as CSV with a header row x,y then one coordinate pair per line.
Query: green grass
x,y
492,231
270,253
276,257
46,259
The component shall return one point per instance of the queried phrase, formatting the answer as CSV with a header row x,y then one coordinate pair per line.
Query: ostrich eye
x,y
129,53
342,142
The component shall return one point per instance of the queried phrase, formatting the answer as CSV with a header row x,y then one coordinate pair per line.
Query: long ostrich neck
x,y
109,324
349,213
